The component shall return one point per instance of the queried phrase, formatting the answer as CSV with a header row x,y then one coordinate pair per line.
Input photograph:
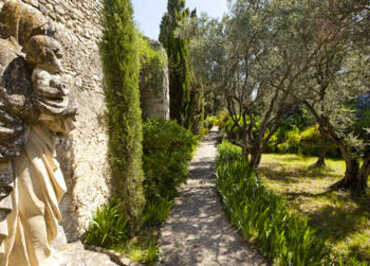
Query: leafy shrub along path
x,y
197,232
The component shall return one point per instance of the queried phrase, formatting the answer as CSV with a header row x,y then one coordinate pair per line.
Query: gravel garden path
x,y
196,231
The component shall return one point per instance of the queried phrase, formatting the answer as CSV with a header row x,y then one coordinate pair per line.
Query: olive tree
x,y
265,59
340,74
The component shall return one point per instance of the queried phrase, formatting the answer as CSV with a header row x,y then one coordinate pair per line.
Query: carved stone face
x,y
44,51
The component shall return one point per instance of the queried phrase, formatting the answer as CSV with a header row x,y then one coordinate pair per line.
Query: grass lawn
x,y
343,219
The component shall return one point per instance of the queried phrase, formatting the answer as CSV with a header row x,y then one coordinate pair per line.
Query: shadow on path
x,y
197,232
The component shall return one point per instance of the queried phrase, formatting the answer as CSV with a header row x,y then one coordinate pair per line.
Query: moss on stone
x,y
153,79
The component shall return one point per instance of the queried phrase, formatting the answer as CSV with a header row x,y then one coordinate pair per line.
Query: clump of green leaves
x,y
108,229
147,53
209,122
157,211
119,54
262,216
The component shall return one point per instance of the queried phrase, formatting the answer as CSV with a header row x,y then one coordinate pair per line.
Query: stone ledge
x,y
74,254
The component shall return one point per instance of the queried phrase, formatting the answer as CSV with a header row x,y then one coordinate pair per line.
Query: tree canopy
x,y
267,57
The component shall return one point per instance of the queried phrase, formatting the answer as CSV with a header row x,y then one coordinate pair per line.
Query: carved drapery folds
x,y
34,106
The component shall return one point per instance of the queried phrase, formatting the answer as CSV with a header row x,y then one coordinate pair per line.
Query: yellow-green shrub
x,y
313,143
209,122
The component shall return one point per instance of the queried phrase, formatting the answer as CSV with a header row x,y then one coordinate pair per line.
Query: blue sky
x,y
148,13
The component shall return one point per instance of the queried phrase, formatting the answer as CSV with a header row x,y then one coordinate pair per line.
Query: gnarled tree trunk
x,y
255,158
321,161
355,179
245,153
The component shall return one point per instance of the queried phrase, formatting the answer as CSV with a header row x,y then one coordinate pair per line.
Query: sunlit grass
x,y
345,220
143,248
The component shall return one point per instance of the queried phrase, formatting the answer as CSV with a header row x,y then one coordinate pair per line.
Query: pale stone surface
x,y
75,255
154,86
34,103
83,155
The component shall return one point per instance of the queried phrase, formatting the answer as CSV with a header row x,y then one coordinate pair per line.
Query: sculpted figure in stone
x,y
34,107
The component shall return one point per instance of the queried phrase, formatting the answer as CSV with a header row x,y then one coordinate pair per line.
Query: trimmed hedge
x,y
263,216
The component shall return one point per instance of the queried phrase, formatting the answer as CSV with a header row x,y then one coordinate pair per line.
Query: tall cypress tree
x,y
178,59
121,75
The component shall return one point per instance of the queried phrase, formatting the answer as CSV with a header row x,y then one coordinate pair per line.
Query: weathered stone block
x,y
83,155
154,85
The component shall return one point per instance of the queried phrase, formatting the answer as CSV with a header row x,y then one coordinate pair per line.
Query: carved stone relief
x,y
34,108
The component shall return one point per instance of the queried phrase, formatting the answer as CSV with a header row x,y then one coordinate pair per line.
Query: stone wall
x,y
83,156
154,85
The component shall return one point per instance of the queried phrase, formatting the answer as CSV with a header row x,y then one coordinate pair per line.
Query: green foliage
x,y
168,149
205,49
313,143
109,229
222,117
121,74
147,53
154,64
229,127
307,142
262,216
287,138
156,211
362,125
178,52
210,122
196,109
291,144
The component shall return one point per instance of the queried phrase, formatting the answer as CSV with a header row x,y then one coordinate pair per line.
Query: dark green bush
x,y
168,150
177,49
261,215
